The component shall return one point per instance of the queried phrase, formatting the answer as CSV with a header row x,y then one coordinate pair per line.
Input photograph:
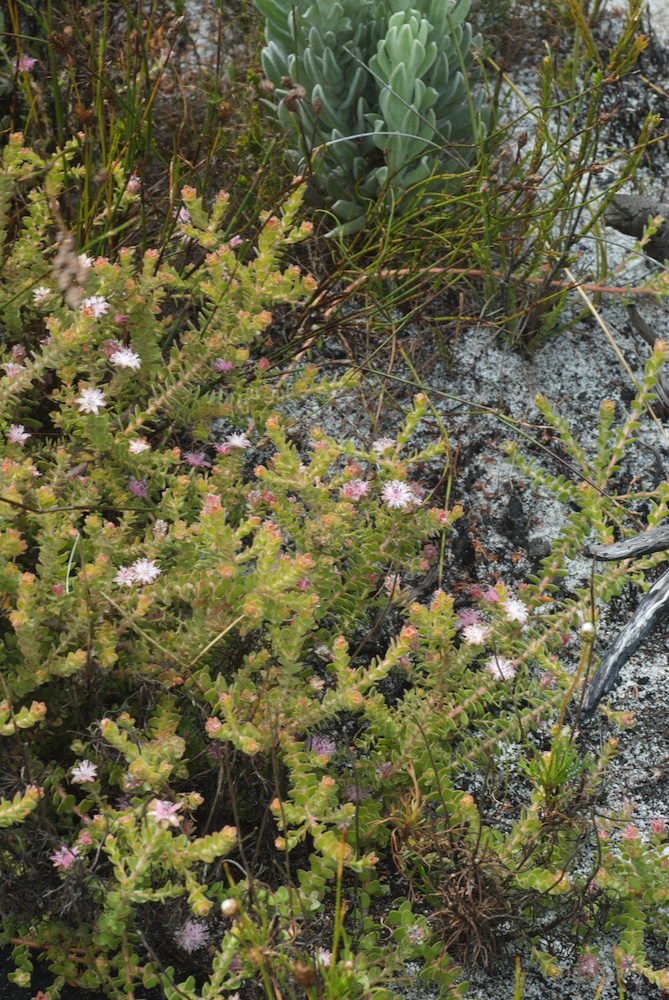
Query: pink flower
x,y
182,216
17,434
197,459
263,364
12,369
85,838
476,634
467,617
501,668
588,966
491,596
139,445
125,358
64,856
321,745
84,772
91,400
111,346
221,365
354,489
193,935
164,812
121,318
145,570
303,583
382,445
137,487
24,63
125,576
95,306
235,242
630,832
515,610
324,957
397,494
657,826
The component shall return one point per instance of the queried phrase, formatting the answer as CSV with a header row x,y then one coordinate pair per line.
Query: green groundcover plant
x,y
223,709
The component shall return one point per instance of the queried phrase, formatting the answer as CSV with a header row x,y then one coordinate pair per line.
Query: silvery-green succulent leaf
x,y
387,75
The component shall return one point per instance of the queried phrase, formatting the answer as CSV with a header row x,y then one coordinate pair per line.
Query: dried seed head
x,y
286,81
304,974
297,93
522,140
175,28
69,271
82,114
317,106
58,42
266,86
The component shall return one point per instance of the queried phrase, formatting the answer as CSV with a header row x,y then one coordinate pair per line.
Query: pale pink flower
x,y
324,957
491,596
397,494
41,294
85,838
182,216
125,358
501,668
221,365
237,441
354,489
64,856
382,445
134,184
24,63
125,576
588,966
137,487
145,570
515,610
197,459
17,434
138,445
321,745
121,318
476,634
630,832
467,617
91,400
84,772
235,242
85,261
12,369
164,812
95,305
193,935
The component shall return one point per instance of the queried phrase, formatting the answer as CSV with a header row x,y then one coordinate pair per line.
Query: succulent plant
x,y
377,95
